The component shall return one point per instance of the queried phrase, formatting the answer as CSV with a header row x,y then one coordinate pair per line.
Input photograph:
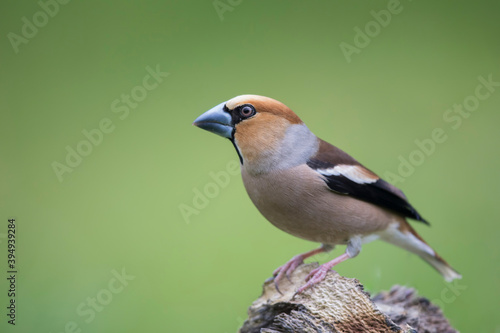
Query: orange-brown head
x,y
266,133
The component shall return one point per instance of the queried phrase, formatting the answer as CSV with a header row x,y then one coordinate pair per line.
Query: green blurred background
x,y
120,208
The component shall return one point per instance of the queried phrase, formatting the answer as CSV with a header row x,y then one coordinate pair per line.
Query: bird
x,y
313,190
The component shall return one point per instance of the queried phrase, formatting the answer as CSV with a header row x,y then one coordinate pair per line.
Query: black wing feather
x,y
378,193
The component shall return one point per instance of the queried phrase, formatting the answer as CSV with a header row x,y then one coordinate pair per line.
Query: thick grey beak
x,y
217,121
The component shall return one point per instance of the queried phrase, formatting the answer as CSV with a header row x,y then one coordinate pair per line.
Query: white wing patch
x,y
354,173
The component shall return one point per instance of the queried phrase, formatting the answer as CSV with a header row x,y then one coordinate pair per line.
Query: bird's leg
x,y
293,263
318,274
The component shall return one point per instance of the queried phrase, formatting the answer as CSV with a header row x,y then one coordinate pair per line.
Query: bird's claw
x,y
315,276
286,270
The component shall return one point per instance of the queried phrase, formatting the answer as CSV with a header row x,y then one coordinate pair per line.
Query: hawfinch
x,y
312,189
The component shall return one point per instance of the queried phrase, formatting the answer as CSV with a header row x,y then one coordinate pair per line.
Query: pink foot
x,y
315,276
292,264
318,274
287,269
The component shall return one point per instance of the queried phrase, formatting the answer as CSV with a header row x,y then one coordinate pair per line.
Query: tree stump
x,y
339,304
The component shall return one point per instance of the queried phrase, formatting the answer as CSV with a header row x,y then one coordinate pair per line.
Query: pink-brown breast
x,y
298,202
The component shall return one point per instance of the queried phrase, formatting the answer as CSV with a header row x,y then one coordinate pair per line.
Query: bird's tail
x,y
403,235
442,267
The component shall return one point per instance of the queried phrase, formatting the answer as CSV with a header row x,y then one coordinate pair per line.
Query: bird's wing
x,y
344,175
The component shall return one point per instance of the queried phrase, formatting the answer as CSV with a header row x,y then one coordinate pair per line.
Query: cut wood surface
x,y
340,304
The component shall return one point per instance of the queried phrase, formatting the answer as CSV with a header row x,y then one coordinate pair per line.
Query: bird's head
x,y
266,133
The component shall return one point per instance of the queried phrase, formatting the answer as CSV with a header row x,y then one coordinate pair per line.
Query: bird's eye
x,y
247,111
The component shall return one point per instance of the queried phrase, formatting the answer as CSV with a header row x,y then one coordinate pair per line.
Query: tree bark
x,y
339,304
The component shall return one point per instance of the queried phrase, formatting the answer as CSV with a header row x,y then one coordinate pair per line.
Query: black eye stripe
x,y
241,113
